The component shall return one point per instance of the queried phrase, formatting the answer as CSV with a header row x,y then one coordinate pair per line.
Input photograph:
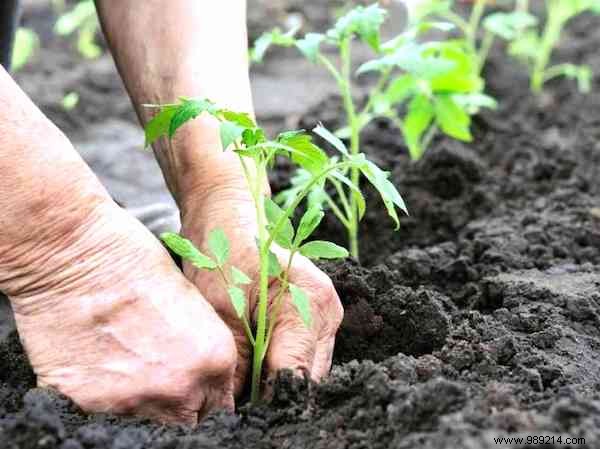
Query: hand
x,y
293,346
114,325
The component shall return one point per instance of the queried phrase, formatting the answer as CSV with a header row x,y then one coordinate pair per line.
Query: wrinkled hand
x,y
115,326
293,345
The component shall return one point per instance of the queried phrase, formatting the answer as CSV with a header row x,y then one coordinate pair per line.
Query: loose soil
x,y
479,318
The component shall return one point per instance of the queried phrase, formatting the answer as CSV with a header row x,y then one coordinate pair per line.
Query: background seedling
x,y
240,134
81,19
534,45
437,82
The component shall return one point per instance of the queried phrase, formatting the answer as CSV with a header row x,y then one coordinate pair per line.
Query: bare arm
x,y
167,49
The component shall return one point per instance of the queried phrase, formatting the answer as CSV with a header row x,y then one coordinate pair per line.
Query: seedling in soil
x,y
81,19
240,134
534,45
436,84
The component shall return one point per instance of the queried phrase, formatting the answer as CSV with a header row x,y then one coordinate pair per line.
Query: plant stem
x,y
354,124
551,34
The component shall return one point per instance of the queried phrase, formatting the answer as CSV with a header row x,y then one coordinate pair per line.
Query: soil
x,y
480,318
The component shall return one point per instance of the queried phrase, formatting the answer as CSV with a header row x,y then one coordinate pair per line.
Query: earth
x,y
479,319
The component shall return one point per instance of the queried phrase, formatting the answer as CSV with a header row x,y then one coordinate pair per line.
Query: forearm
x,y
40,175
165,50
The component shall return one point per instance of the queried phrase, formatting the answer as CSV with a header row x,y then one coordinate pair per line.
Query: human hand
x,y
228,205
108,320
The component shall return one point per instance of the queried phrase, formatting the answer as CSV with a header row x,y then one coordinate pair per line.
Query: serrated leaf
x,y
320,249
187,251
285,236
304,152
323,132
389,194
219,246
230,132
418,119
239,118
309,45
274,265
238,300
309,222
251,137
452,119
302,303
186,111
159,125
239,277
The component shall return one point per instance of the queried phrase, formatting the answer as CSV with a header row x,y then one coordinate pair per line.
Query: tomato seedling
x,y
534,44
436,84
239,133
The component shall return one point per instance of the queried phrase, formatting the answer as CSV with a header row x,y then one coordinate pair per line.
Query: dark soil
x,y
479,319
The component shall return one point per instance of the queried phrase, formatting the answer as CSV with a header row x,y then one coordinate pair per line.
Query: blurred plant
x,y
26,43
83,20
70,101
421,87
240,134
534,45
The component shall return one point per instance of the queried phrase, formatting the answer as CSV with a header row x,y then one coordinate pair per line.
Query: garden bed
x,y
480,318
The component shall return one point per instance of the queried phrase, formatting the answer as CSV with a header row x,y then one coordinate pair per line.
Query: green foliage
x,y
83,21
26,43
241,135
422,87
534,44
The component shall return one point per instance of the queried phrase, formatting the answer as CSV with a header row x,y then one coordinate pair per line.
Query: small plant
x,y
240,134
436,84
26,43
83,20
534,45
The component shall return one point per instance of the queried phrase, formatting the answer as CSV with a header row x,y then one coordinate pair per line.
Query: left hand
x,y
229,206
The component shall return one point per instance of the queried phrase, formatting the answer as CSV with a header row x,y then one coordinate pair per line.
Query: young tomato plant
x,y
437,84
534,45
240,134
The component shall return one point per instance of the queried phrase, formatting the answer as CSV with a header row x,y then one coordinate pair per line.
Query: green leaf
x,y
463,77
418,119
320,249
362,21
309,45
323,132
274,266
239,277
219,246
302,303
266,40
238,300
186,111
230,132
187,251
285,236
251,137
159,125
304,152
400,89
389,195
472,103
25,45
509,25
426,8
452,119
242,119
309,222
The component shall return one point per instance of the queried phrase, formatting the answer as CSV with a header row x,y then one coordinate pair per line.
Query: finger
x,y
293,345
323,358
334,314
